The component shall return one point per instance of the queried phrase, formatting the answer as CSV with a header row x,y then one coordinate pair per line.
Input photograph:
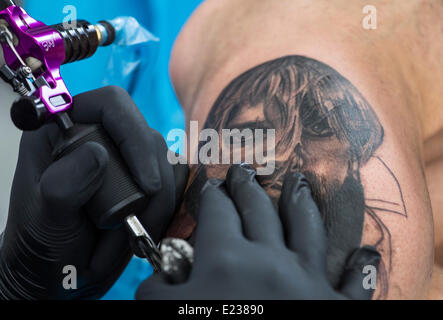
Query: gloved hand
x,y
244,250
47,228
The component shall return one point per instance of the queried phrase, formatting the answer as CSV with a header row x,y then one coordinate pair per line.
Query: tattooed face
x,y
324,129
308,143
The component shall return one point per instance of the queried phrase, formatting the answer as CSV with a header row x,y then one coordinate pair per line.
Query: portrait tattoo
x,y
325,129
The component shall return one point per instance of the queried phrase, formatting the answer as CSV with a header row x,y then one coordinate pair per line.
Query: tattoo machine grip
x,y
119,196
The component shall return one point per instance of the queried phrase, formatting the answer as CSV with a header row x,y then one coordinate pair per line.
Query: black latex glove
x,y
47,228
244,250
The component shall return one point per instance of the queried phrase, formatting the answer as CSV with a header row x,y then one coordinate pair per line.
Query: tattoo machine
x,y
34,53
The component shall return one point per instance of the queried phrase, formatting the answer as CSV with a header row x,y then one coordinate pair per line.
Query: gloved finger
x,y
70,182
35,153
111,255
218,221
158,215
115,110
360,275
259,217
304,229
156,288
177,260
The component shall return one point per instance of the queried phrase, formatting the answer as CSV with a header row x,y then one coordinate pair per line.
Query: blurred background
x,y
145,76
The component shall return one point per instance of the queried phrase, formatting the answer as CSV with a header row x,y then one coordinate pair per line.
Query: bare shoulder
x,y
344,112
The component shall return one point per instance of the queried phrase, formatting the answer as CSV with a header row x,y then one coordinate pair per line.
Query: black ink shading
x,y
324,128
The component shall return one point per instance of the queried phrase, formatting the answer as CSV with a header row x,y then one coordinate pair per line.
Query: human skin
x,y
389,67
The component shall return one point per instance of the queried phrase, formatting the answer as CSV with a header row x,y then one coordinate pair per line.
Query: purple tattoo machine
x,y
34,53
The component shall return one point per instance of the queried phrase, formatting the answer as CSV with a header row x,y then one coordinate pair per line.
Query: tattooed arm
x,y
343,129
